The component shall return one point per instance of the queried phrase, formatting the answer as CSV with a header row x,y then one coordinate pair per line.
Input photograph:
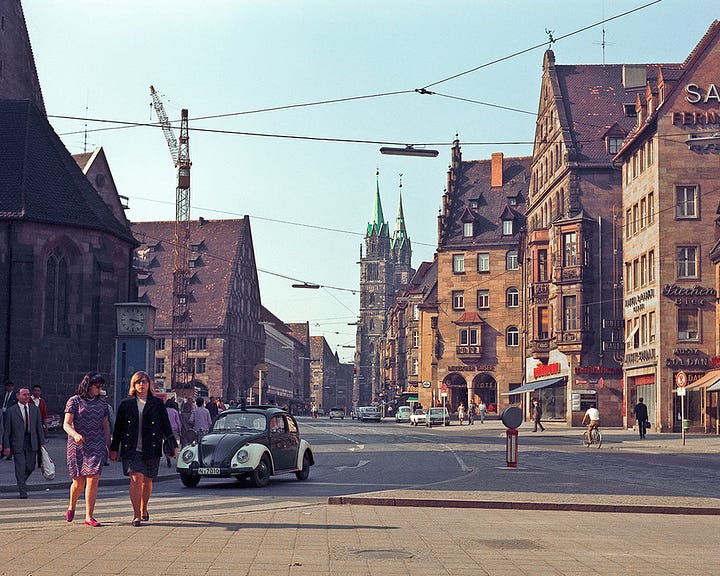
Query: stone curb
x,y
505,505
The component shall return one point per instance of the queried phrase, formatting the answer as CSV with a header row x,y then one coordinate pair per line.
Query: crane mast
x,y
180,152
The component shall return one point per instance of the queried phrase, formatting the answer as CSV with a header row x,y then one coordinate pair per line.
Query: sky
x,y
252,63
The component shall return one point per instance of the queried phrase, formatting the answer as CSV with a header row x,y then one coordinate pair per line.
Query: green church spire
x,y
378,224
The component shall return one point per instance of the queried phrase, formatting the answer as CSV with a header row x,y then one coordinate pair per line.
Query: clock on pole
x,y
134,344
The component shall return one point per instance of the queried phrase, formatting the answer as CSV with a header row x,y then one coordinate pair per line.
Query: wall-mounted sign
x,y
638,302
697,296
642,356
546,369
427,384
702,94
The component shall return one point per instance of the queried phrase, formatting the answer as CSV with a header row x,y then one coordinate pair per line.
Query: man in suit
x,y
23,436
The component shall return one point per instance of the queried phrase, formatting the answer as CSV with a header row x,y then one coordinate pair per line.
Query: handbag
x,y
47,466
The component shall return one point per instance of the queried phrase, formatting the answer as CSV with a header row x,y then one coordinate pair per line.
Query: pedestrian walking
x,y
175,424
141,427
200,419
461,413
537,416
23,436
472,410
641,416
39,401
482,410
88,428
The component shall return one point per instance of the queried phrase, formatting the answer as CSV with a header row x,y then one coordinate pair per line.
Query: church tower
x,y
384,269
18,76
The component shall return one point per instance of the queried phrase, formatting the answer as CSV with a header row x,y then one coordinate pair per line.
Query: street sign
x,y
426,384
443,387
681,379
681,391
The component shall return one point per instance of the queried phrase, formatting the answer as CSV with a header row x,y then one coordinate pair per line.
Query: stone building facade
x,y
671,169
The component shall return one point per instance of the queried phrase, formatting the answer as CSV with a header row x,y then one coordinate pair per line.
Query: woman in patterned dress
x,y
88,429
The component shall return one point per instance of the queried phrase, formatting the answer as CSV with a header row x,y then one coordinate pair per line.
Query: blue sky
x,y
310,201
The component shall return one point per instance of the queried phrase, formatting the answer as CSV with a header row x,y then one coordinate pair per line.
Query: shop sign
x,y
648,355
479,368
697,94
546,369
715,362
638,302
597,370
697,296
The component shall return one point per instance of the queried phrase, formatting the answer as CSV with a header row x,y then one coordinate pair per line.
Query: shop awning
x,y
530,386
714,387
709,379
413,398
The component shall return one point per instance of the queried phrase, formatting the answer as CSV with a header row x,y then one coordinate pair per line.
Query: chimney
x,y
496,169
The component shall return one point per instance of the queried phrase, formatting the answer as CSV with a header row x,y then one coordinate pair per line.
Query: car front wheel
x,y
260,477
304,472
189,480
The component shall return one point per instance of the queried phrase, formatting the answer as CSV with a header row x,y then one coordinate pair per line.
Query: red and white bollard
x,y
511,447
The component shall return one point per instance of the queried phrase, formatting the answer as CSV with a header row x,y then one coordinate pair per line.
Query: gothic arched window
x,y
56,291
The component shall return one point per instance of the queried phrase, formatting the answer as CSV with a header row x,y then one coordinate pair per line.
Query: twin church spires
x,y
385,267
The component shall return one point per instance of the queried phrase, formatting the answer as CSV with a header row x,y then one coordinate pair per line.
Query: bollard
x,y
511,447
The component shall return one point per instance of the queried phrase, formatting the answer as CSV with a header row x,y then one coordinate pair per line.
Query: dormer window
x,y
512,200
473,203
629,110
507,227
614,144
468,229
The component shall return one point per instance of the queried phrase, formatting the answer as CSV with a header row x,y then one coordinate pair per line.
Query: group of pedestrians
x,y
473,411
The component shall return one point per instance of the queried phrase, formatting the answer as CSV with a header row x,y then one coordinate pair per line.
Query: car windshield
x,y
419,412
239,421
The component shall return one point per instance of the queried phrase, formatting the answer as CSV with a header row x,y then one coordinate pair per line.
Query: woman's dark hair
x,y
171,404
83,389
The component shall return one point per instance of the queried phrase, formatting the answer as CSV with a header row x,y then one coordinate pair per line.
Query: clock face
x,y
132,320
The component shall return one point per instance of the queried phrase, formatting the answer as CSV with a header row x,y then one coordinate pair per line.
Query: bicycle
x,y
593,439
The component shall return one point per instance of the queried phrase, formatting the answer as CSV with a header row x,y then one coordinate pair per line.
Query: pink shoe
x,y
92,522
69,515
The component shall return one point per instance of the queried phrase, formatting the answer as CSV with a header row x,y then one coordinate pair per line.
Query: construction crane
x,y
180,152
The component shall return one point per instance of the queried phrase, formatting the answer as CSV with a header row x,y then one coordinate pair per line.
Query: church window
x,y
372,271
56,295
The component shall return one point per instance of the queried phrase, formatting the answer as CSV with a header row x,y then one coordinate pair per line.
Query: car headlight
x,y
242,456
187,456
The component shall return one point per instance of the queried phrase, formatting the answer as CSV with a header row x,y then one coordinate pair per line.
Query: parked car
x,y
337,413
402,414
368,413
436,416
417,417
254,442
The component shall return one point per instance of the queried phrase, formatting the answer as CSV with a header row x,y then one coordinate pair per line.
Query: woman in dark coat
x,y
141,426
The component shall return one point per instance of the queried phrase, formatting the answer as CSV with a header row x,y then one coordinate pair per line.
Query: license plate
x,y
209,471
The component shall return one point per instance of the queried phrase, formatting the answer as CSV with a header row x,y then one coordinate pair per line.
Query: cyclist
x,y
592,416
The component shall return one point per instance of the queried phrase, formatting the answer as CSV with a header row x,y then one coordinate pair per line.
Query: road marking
x,y
358,465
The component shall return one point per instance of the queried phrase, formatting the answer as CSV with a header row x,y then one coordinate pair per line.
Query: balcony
x,y
569,274
539,292
539,236
569,341
472,352
540,345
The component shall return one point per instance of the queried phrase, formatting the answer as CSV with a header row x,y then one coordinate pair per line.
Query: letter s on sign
x,y
693,93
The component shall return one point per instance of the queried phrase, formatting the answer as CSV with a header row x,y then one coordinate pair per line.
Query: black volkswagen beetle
x,y
253,442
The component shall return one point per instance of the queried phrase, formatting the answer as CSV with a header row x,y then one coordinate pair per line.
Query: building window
x,y
542,261
192,344
201,364
651,266
483,263
570,256
643,213
458,263
512,299
628,277
628,223
687,262
414,367
507,227
159,365
543,323
686,202
512,336
160,344
688,328
570,313
416,312
511,260
651,327
635,219
372,271
643,330
651,207
643,270
636,273
483,299
467,229
56,295
415,339
468,337
614,145
458,300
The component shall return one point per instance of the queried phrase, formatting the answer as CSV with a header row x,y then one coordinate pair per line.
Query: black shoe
x,y
136,523
23,496
145,518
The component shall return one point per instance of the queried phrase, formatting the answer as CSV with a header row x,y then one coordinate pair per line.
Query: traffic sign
x,y
681,379
443,387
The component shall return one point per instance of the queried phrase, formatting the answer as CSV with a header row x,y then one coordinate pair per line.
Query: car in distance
x,y
437,416
402,414
417,417
254,442
337,413
368,413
